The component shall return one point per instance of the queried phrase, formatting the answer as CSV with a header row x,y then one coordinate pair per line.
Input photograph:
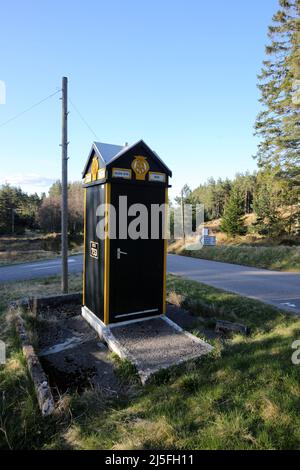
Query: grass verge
x,y
280,258
243,396
34,247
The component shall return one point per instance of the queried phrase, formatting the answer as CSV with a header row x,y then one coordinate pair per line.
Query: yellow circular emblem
x,y
140,167
94,168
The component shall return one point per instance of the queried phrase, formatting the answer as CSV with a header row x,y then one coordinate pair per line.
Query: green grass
x,y
281,258
245,395
210,303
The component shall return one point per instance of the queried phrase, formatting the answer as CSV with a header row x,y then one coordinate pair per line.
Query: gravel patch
x,y
157,344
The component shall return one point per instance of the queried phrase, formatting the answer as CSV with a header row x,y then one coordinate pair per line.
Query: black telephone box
x,y
124,276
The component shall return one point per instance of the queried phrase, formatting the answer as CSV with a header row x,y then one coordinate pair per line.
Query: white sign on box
x,y
121,173
159,177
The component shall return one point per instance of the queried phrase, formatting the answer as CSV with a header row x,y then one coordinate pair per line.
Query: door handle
x,y
119,253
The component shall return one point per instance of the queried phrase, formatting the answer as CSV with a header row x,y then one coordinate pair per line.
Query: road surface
x,y
273,287
277,288
37,269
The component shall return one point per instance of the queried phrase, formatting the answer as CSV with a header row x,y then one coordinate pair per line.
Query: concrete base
x,y
150,344
93,321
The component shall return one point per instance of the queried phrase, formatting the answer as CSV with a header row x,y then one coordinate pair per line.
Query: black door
x,y
93,253
137,266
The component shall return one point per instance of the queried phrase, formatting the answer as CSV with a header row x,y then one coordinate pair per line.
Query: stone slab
x,y
150,344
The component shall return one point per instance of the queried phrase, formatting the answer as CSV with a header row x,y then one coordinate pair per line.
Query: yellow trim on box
x,y
84,247
106,255
122,169
157,173
165,256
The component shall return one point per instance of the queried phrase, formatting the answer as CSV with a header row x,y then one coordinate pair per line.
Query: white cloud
x,y
30,182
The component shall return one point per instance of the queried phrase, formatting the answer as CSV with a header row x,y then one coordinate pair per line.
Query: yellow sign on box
x,y
140,167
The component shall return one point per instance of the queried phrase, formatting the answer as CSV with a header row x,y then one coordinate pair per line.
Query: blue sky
x,y
179,74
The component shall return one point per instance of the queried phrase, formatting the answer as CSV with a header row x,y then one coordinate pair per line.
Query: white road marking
x,y
25,266
49,265
37,268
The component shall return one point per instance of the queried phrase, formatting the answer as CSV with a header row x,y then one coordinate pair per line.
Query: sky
x,y
179,74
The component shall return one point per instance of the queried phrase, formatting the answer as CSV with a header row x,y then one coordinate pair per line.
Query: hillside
x,y
280,253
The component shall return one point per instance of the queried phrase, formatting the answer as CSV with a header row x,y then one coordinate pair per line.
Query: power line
x,y
28,109
83,119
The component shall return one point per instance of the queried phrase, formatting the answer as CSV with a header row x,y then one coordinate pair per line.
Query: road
x,y
37,269
273,287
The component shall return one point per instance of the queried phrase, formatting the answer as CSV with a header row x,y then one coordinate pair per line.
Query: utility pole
x,y
182,215
64,185
14,211
12,220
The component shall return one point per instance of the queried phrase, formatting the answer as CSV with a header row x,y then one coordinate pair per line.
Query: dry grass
x,y
37,287
243,251
32,247
252,238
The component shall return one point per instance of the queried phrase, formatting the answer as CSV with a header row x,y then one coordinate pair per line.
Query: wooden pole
x,y
182,216
64,185
12,220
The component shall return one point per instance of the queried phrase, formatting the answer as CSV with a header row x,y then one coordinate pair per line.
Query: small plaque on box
x,y
158,177
121,173
94,250
101,174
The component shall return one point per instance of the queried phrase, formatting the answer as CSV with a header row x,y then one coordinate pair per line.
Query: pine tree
x,y
278,125
14,204
232,222
268,197
245,184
